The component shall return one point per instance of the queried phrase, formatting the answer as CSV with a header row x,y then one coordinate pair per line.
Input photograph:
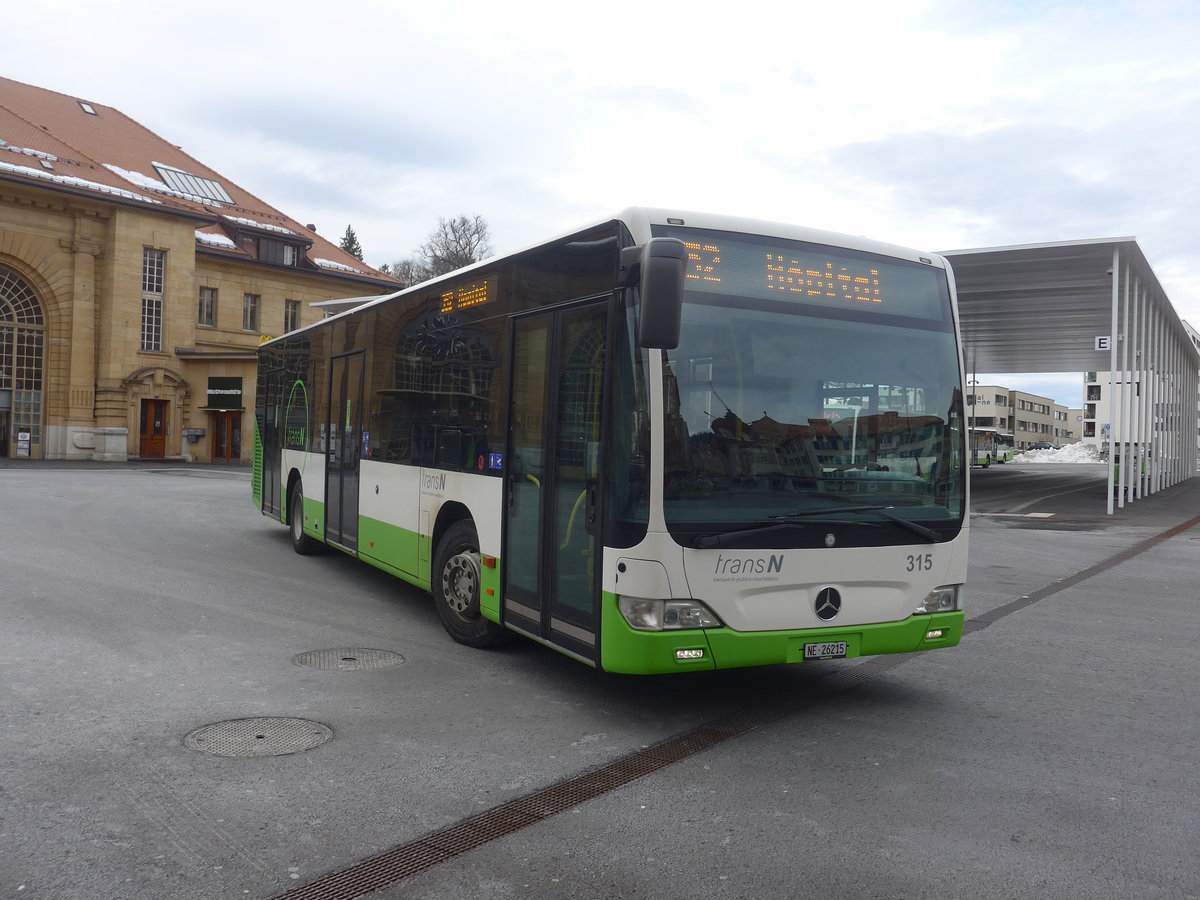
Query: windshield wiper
x,y
713,540
916,528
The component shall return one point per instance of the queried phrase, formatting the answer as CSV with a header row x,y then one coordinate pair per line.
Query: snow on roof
x,y
266,225
153,184
72,181
28,151
217,240
330,264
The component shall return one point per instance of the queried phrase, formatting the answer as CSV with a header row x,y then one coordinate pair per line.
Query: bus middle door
x,y
555,424
343,450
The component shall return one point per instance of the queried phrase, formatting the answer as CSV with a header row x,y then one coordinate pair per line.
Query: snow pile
x,y
1071,453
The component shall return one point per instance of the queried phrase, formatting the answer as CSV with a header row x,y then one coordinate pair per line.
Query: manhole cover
x,y
258,737
348,659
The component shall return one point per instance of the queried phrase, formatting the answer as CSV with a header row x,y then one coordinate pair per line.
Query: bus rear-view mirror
x,y
656,268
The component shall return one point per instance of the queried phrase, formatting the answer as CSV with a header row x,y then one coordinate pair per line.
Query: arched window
x,y
22,337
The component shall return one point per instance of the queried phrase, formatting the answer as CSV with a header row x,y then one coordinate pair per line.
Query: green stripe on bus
x,y
626,651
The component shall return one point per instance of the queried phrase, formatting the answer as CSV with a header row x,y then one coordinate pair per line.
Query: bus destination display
x,y
468,293
781,271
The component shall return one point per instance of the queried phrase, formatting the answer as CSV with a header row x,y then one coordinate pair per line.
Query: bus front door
x,y
342,450
550,566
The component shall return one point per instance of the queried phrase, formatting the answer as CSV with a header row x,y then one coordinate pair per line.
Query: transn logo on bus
x,y
748,565
433,482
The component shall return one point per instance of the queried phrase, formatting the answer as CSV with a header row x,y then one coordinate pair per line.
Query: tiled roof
x,y
50,138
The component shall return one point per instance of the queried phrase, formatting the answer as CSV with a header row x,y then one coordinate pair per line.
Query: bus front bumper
x,y
627,651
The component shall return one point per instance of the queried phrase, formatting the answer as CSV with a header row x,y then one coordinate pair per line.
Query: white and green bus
x,y
1005,447
990,446
660,443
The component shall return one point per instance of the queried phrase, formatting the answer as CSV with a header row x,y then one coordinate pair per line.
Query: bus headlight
x,y
666,615
940,599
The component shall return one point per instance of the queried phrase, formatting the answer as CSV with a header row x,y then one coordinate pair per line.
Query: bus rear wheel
x,y
301,542
456,576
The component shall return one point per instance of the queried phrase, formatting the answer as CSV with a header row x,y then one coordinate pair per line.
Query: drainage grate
x,y
258,737
344,659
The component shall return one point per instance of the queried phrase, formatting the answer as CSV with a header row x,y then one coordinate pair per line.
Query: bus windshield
x,y
810,378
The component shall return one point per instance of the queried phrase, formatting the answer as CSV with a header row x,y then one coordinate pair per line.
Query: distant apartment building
x,y
1160,409
1030,419
1099,395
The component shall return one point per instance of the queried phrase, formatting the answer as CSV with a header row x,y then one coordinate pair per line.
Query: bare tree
x,y
410,270
455,243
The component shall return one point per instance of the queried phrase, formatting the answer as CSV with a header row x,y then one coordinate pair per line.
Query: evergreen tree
x,y
350,243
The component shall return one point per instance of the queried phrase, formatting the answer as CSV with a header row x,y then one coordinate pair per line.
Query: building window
x,y
22,338
273,251
152,323
291,314
250,312
153,262
193,185
208,306
153,266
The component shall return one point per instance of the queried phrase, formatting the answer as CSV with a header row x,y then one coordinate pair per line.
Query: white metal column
x,y
1112,377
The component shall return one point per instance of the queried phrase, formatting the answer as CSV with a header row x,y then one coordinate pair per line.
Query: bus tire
x,y
301,542
456,576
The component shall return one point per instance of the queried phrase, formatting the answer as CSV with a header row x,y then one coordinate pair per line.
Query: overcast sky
x,y
941,125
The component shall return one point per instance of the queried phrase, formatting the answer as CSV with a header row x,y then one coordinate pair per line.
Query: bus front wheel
x,y
456,575
301,542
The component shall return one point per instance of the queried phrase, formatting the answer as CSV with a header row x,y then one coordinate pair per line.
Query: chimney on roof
x,y
312,228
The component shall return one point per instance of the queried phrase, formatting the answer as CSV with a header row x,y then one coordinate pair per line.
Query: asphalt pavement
x,y
1052,754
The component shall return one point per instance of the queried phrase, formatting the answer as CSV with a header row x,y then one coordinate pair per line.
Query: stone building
x,y
135,285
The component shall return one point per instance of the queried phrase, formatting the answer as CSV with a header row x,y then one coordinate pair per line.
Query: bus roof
x,y
640,220
646,217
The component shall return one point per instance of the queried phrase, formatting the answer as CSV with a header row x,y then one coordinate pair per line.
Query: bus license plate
x,y
826,650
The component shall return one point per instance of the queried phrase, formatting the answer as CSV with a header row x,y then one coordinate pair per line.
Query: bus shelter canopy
x,y
1091,306
1046,307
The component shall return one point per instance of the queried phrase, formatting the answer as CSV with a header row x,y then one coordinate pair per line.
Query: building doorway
x,y
226,436
22,335
153,443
